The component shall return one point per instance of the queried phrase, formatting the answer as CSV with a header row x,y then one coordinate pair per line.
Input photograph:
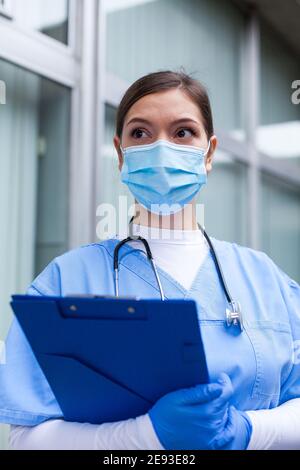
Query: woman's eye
x,y
185,133
138,133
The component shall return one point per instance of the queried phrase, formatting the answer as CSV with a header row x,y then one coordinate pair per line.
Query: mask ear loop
x,y
208,148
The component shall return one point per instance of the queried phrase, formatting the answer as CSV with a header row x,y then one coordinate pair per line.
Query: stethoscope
x,y
233,313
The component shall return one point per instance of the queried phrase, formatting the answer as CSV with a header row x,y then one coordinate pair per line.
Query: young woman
x,y
165,143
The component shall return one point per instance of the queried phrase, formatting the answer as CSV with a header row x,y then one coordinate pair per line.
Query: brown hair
x,y
165,80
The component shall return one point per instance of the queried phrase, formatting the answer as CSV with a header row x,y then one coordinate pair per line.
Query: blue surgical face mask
x,y
163,176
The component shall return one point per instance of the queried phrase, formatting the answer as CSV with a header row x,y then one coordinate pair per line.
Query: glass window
x,y
47,16
225,200
34,137
278,137
111,186
51,233
280,223
203,36
279,131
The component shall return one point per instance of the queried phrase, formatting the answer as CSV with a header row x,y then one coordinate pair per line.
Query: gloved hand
x,y
195,418
240,427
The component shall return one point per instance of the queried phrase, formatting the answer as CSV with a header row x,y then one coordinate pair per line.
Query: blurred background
x,y
64,66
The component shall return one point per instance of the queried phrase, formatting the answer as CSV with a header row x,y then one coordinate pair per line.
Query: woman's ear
x,y
210,154
117,144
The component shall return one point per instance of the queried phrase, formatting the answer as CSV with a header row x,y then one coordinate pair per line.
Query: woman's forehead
x,y
170,104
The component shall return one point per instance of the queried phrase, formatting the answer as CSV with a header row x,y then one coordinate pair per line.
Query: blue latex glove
x,y
240,427
195,418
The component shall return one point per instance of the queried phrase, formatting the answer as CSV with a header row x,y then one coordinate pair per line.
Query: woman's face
x,y
170,115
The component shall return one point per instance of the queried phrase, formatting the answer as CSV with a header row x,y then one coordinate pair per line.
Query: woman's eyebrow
x,y
176,121
138,119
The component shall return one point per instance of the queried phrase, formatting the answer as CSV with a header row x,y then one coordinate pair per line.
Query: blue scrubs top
x,y
263,361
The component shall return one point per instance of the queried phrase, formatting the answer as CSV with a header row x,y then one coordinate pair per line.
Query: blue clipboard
x,y
109,359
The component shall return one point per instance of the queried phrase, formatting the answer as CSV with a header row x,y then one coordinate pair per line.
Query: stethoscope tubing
x,y
233,315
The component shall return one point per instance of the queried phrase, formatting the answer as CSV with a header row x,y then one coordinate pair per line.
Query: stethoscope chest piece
x,y
234,315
